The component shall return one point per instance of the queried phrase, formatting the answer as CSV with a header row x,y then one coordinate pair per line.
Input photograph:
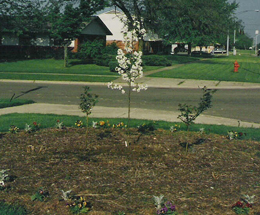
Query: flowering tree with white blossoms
x,y
130,63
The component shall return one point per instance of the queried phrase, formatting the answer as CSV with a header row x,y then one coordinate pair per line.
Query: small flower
x,y
248,199
238,204
94,124
158,201
248,205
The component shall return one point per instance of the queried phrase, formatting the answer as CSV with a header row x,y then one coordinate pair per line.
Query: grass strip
x,y
4,103
8,209
50,77
50,120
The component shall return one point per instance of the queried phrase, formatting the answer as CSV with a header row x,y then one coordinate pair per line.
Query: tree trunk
x,y
141,45
189,48
129,105
66,55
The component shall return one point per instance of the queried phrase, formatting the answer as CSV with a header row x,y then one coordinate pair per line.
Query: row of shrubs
x,y
90,52
148,60
30,52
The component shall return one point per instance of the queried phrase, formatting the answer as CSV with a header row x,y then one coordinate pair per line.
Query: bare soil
x,y
206,179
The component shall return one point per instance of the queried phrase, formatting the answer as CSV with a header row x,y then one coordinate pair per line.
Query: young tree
x,y
190,112
87,103
130,64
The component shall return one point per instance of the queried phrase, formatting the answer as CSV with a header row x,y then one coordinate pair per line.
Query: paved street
x,y
239,104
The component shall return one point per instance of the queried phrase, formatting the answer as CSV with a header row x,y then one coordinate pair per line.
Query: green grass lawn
x,y
50,120
53,70
15,102
218,68
53,66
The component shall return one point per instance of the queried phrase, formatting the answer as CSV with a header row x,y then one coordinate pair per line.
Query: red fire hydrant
x,y
236,66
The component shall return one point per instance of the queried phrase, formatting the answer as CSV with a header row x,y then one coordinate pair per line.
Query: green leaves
x,y
88,101
189,112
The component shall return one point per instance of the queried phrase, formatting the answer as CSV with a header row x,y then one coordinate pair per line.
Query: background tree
x,y
21,16
194,21
67,20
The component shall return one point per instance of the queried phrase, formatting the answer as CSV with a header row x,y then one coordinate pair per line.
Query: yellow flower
x,y
102,123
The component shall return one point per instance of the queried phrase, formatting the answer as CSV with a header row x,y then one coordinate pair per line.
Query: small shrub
x,y
104,59
112,66
110,49
40,195
156,60
145,128
91,49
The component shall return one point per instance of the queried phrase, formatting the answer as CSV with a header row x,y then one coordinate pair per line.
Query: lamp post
x,y
234,48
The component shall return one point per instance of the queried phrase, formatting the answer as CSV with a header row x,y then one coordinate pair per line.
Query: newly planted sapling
x,y
189,112
88,101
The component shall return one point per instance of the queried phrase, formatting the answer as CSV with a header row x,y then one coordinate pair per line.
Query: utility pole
x,y
256,35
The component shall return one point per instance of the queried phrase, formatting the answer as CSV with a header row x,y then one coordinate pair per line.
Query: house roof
x,y
112,18
114,23
96,27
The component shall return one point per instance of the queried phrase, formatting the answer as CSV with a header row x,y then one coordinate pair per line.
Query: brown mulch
x,y
207,179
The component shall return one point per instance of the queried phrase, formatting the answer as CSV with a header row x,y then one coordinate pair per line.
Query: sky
x,y
246,12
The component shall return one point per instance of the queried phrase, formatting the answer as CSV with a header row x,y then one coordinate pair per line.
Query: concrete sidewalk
x,y
193,84
159,83
110,112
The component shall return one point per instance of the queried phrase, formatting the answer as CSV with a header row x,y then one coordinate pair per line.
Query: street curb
x,y
110,112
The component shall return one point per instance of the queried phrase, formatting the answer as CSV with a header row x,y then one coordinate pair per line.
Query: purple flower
x,y
164,210
168,203
172,208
